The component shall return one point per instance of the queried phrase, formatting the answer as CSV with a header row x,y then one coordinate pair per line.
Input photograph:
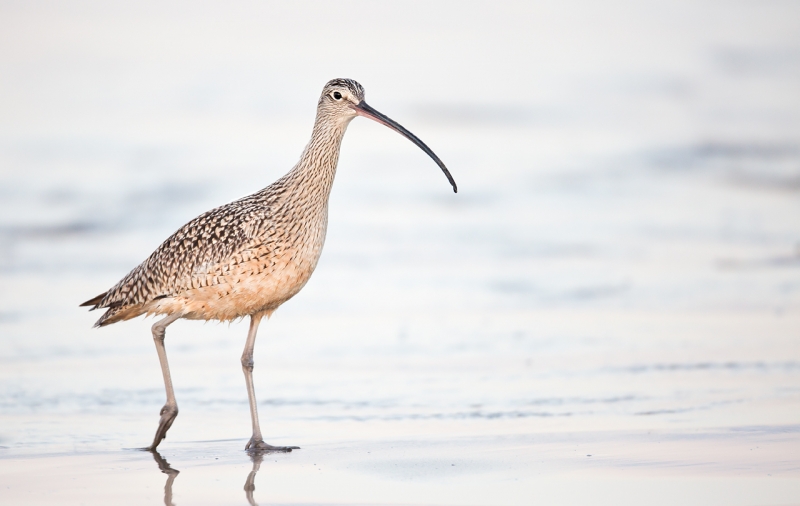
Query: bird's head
x,y
340,98
343,99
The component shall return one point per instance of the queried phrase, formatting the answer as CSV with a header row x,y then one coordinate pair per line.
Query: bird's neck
x,y
317,166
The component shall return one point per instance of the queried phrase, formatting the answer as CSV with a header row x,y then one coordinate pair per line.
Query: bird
x,y
247,257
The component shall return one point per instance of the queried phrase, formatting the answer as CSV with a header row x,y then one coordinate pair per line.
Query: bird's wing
x,y
211,239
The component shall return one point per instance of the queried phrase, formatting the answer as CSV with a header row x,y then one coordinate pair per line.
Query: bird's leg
x,y
170,409
256,443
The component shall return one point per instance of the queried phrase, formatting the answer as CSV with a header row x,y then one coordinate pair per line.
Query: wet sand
x,y
657,467
608,311
554,426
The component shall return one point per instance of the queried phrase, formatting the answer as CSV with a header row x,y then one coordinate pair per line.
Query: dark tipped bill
x,y
363,109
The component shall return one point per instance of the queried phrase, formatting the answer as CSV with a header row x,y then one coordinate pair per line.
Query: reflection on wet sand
x,y
171,473
249,484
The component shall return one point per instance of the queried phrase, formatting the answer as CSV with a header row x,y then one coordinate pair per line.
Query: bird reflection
x,y
250,484
165,468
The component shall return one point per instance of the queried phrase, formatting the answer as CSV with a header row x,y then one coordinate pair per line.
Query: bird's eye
x,y
337,95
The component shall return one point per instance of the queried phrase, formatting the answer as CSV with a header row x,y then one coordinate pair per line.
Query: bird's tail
x,y
116,311
118,314
94,301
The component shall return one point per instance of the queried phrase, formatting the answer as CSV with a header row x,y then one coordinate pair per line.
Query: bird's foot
x,y
259,446
168,414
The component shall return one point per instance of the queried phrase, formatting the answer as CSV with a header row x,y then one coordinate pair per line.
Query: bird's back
x,y
238,259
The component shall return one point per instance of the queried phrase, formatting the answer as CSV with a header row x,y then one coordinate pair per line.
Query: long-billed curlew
x,y
248,257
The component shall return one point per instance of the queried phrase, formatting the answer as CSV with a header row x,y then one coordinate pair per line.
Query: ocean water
x,y
607,311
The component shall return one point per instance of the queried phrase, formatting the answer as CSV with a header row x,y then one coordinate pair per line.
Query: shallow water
x,y
607,311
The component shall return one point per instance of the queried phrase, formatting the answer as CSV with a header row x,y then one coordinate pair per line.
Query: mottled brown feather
x,y
94,301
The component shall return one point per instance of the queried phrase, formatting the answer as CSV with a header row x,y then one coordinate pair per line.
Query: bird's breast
x,y
254,280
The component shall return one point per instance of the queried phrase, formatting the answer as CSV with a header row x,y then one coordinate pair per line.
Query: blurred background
x,y
623,255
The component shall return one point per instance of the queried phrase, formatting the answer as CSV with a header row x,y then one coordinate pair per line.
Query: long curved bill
x,y
363,109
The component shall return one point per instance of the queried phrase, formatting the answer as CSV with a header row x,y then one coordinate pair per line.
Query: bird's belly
x,y
254,286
